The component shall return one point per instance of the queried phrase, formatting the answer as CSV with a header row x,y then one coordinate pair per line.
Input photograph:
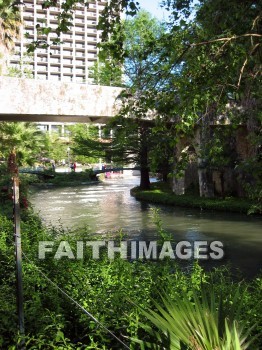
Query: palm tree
x,y
10,21
25,138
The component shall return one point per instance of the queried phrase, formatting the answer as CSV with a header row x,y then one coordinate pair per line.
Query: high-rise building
x,y
69,61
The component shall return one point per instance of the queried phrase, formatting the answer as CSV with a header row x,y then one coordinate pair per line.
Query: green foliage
x,y
252,184
163,235
67,179
9,23
217,149
158,194
133,138
86,143
141,51
111,25
56,147
6,191
23,70
207,73
25,138
199,322
106,72
108,289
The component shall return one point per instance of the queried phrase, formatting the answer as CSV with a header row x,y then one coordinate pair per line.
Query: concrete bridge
x,y
45,101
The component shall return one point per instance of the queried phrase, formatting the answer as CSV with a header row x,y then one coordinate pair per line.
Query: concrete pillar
x,y
206,186
49,127
179,184
99,131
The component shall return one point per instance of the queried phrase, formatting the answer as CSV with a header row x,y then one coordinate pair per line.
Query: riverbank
x,y
162,194
67,179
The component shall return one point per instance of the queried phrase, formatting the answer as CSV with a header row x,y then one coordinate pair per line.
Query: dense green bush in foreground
x,y
115,292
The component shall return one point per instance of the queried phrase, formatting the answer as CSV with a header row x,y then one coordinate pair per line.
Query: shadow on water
x,y
108,206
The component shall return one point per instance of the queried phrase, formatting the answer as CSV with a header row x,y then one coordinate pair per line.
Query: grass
x,y
161,193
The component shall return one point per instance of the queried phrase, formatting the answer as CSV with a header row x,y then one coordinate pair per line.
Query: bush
x,y
65,179
108,289
162,194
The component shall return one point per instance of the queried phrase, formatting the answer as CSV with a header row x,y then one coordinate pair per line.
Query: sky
x,y
154,8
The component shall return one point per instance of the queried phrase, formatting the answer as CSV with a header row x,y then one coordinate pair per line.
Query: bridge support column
x,y
206,186
179,184
99,131
49,128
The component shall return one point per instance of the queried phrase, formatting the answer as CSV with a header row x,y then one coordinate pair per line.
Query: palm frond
x,y
205,322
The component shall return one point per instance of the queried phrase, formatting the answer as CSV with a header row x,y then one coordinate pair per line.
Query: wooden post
x,y
18,257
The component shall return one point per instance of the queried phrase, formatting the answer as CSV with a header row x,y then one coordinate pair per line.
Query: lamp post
x,y
68,155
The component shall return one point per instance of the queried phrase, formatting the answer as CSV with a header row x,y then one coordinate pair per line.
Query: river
x,y
107,206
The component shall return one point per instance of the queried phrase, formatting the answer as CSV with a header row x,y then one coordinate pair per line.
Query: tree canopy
x,y
29,142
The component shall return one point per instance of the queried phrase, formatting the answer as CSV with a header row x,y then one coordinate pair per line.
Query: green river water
x,y
108,206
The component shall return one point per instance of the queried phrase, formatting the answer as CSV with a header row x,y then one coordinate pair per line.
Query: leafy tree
x,y
131,143
56,147
211,68
23,69
134,139
86,146
141,50
106,72
213,57
218,83
162,153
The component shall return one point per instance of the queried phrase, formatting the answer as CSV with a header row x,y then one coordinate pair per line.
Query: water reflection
x,y
108,206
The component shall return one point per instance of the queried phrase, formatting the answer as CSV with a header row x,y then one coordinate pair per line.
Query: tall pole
x,y
68,156
13,170
100,137
18,257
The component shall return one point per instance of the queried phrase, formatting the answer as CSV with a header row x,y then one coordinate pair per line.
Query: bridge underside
x,y
47,101
53,118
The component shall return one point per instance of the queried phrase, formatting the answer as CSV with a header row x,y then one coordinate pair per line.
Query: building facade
x,y
69,61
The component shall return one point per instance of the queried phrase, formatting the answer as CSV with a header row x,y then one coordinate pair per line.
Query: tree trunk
x,y
165,171
222,180
144,177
